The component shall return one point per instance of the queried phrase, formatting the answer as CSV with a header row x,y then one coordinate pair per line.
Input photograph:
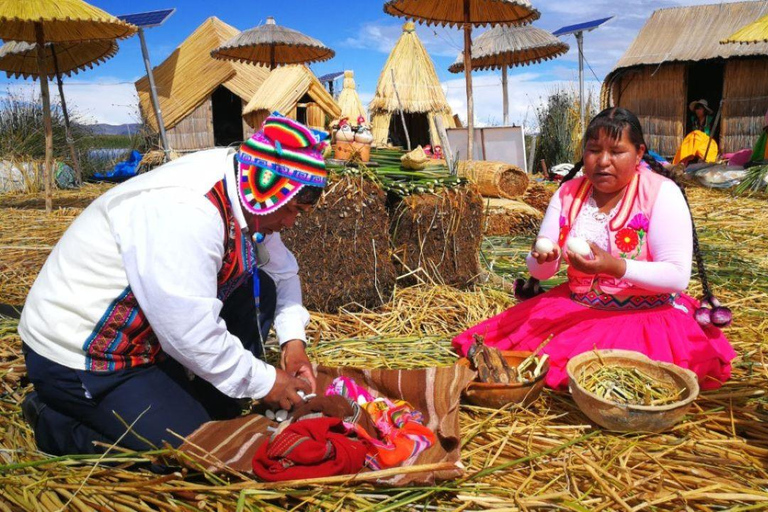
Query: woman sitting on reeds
x,y
628,293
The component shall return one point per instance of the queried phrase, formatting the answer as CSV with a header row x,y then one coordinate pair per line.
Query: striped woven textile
x,y
229,445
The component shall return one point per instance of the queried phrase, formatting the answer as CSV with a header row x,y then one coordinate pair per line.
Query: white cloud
x,y
526,92
381,36
107,101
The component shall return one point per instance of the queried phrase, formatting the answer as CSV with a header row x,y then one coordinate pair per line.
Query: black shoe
x,y
31,408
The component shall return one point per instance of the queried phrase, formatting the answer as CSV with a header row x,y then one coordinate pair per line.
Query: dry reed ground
x,y
545,457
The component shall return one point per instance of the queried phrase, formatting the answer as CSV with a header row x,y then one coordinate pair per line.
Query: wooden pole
x,y
47,171
446,145
400,108
505,95
468,77
67,129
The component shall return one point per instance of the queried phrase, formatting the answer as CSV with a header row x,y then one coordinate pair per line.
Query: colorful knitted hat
x,y
277,162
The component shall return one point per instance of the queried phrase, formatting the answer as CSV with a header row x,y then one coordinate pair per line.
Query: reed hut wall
x,y
195,131
657,95
745,92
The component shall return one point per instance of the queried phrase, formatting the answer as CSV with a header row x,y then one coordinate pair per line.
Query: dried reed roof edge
x,y
482,12
754,33
285,86
511,46
87,55
417,82
71,20
190,75
244,46
690,34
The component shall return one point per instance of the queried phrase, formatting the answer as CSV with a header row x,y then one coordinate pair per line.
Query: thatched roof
x,y
186,78
285,86
482,12
273,45
19,59
349,101
694,34
417,82
511,46
753,33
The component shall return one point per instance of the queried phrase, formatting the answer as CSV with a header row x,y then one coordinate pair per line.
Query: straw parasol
x,y
59,21
349,101
466,13
502,47
273,45
756,32
19,59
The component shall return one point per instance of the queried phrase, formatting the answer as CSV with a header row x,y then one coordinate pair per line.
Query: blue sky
x,y
362,36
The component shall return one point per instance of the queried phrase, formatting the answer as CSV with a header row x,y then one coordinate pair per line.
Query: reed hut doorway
x,y
227,111
418,129
705,81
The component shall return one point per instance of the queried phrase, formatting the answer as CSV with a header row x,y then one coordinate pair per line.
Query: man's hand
x,y
602,262
283,394
294,360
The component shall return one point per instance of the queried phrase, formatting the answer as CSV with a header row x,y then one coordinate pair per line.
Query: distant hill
x,y
112,129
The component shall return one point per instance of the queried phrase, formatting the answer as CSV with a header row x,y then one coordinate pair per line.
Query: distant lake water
x,y
109,153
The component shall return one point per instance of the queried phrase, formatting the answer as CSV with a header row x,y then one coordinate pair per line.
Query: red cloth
x,y
311,448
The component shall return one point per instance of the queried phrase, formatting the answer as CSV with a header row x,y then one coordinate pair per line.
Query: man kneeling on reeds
x,y
152,309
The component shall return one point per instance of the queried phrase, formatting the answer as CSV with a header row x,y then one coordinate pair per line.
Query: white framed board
x,y
495,143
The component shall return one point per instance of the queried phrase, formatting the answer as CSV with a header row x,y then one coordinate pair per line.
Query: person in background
x,y
701,116
152,309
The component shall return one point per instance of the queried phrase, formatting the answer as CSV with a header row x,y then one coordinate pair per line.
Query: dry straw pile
x,y
544,457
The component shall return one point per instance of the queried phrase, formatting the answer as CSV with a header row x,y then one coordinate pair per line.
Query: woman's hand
x,y
542,258
602,262
294,360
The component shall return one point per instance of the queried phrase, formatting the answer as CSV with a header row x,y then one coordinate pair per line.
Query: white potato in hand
x,y
544,246
579,246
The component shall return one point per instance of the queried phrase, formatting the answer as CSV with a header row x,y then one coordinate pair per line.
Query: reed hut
x,y
677,58
349,101
296,92
202,98
409,82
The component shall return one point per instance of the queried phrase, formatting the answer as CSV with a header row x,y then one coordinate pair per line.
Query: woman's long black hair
x,y
614,122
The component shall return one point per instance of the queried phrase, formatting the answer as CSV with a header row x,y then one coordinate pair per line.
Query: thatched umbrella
x,y
466,13
756,32
19,59
502,47
55,21
273,45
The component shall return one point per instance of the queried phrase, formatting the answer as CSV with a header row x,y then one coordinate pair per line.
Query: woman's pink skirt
x,y
666,333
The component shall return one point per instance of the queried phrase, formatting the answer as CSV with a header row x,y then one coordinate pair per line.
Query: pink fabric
x,y
739,158
663,334
669,236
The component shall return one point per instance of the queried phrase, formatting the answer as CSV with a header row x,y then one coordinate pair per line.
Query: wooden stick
x,y
468,79
47,171
400,109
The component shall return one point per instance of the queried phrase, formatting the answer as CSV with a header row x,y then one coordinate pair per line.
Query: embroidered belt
x,y
605,301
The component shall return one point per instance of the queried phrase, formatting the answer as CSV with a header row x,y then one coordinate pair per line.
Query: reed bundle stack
x,y
342,247
437,237
510,217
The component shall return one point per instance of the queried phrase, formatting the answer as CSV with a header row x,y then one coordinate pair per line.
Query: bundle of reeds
x,y
494,179
510,217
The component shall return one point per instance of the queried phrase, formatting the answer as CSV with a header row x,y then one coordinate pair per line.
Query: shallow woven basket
x,y
631,418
